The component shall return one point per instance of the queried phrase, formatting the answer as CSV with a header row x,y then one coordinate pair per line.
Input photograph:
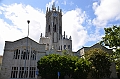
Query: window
x,y
22,55
60,29
23,73
68,46
64,46
16,54
54,28
32,72
14,72
25,55
49,28
33,55
59,47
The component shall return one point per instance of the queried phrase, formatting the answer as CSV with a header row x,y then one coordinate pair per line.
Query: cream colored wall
x,y
9,62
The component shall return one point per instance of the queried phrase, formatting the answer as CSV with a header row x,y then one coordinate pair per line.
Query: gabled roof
x,y
23,39
97,45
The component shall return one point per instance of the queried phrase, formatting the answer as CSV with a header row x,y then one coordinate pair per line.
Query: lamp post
x,y
28,21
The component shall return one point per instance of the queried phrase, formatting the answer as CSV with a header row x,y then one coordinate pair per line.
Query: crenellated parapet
x,y
53,9
65,37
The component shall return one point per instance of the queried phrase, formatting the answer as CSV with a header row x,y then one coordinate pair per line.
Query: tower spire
x,y
53,6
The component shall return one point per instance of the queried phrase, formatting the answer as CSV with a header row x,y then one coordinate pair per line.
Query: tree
x,y
82,70
67,65
48,66
112,39
100,63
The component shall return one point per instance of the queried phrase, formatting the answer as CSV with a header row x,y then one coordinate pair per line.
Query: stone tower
x,y
54,25
53,31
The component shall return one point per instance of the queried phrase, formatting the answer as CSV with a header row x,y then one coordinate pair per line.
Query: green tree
x,y
82,70
48,66
67,65
100,63
112,39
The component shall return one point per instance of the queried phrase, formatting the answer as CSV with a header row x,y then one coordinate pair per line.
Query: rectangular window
x,y
14,72
22,55
64,46
68,46
33,55
23,73
16,54
25,55
32,72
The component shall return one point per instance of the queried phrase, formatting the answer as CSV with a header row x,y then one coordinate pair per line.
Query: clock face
x,y
55,14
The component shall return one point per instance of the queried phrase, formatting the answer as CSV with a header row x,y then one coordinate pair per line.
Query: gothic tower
x,y
53,31
54,25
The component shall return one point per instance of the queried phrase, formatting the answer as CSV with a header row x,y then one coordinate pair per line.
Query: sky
x,y
84,20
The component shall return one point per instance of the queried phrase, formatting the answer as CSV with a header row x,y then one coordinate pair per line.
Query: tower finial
x,y
53,6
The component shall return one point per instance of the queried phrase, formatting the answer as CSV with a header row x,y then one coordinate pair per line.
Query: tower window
x,y
54,28
61,47
64,46
68,46
49,28
60,29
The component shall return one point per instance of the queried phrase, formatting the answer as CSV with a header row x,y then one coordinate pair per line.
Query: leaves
x,y
67,65
112,37
100,63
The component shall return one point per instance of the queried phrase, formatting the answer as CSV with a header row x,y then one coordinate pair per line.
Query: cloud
x,y
72,24
17,28
106,11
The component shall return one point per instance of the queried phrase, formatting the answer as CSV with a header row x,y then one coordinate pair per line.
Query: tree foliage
x,y
112,37
83,68
100,63
67,65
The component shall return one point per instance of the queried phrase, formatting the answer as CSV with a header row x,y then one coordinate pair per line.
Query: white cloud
x,y
72,24
18,14
106,11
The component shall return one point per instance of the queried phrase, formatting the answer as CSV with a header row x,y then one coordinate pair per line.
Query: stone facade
x,y
82,51
16,60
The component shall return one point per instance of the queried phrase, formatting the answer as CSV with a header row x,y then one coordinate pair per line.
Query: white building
x,y
16,61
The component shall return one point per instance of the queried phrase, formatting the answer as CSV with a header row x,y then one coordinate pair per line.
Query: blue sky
x,y
84,20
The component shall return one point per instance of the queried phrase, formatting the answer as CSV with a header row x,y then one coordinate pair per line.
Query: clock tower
x,y
54,25
53,31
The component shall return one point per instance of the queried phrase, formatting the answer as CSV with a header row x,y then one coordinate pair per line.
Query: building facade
x,y
17,63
